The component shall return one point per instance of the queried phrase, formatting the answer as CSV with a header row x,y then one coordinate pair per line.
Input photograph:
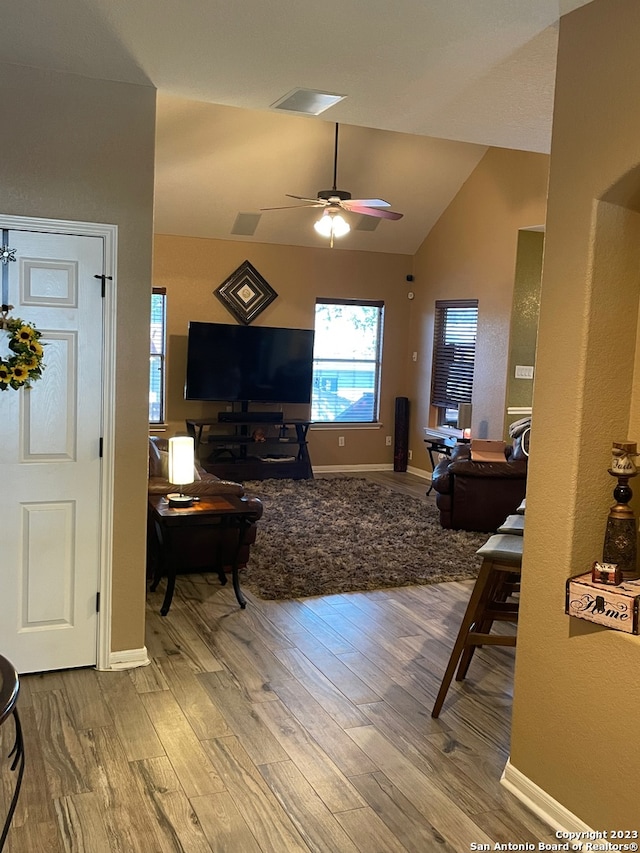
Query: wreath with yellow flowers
x,y
25,366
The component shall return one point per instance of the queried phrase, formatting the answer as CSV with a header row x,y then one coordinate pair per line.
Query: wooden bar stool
x,y
498,579
9,689
513,524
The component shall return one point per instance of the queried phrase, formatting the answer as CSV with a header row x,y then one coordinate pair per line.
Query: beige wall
x,y
80,149
577,688
192,268
471,254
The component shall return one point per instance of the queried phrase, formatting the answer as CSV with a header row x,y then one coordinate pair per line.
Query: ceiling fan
x,y
332,223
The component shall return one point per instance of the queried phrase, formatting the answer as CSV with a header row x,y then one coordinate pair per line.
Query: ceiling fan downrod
x,y
335,193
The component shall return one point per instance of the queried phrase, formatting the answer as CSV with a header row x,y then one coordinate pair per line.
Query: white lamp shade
x,y
181,460
332,224
464,416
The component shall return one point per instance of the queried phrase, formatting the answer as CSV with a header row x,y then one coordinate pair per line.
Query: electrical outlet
x,y
340,441
387,441
410,455
414,356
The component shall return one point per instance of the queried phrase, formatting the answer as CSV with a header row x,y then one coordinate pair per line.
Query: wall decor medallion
x,y
245,293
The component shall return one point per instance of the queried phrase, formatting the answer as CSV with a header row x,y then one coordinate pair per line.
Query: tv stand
x,y
250,417
254,447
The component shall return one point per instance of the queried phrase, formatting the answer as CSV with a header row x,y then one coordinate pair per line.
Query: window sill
x,y
341,425
443,432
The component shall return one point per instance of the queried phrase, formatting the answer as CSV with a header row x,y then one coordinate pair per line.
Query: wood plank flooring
x,y
291,726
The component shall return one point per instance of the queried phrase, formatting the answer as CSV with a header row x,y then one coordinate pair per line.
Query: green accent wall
x,y
525,312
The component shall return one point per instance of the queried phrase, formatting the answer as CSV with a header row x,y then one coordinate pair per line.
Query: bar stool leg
x,y
479,594
481,627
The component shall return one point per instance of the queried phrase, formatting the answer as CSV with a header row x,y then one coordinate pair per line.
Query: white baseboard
x,y
339,469
541,803
419,472
353,469
128,659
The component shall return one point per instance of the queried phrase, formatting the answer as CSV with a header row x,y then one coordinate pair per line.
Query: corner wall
x,y
572,675
525,313
471,254
81,149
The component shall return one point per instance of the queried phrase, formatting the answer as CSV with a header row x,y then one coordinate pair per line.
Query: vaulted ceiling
x,y
429,84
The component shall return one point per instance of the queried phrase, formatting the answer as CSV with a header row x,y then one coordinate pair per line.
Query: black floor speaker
x,y
401,442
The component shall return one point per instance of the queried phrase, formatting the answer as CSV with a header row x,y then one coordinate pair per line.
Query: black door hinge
x,y
104,279
101,447
97,602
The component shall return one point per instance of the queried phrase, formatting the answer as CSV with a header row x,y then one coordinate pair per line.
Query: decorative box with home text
x,y
611,606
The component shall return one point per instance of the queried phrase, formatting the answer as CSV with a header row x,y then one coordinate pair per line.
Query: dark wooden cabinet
x,y
252,449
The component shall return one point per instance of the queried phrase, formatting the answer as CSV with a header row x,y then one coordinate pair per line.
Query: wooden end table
x,y
217,511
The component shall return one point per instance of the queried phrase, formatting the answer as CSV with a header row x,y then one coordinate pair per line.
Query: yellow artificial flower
x,y
20,374
25,366
25,334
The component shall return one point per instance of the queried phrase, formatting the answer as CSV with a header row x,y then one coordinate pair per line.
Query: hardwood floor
x,y
290,726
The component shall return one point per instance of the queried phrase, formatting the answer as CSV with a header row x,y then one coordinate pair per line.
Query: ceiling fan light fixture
x,y
332,224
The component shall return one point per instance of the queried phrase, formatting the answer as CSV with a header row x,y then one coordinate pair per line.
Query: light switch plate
x,y
524,371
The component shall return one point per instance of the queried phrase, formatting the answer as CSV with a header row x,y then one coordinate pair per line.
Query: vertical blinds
x,y
454,351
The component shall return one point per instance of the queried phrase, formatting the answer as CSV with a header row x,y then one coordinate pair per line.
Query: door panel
x,y
49,456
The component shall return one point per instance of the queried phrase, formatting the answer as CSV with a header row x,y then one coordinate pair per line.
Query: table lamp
x,y
621,534
181,462
463,421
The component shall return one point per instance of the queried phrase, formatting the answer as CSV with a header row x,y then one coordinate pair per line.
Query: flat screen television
x,y
249,363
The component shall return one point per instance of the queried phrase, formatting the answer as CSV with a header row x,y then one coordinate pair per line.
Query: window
x,y
346,361
454,350
157,355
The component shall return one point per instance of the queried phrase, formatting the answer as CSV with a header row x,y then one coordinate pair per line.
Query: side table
x,y
444,446
437,445
214,511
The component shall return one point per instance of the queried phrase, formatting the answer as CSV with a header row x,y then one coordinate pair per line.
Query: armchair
x,y
479,495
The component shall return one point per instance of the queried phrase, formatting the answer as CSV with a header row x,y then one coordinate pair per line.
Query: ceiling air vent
x,y
367,223
308,102
246,224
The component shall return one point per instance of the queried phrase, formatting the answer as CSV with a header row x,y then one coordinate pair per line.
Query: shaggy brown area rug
x,y
326,536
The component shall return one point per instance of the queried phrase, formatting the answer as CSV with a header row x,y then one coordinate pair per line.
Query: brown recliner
x,y
479,495
203,549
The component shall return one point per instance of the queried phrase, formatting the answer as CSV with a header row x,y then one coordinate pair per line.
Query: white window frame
x,y
456,326
376,361
161,356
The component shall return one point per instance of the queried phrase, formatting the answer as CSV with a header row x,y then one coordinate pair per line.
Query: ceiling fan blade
x,y
366,202
373,211
318,201
293,206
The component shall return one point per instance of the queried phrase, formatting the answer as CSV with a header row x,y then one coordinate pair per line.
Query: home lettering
x,y
597,605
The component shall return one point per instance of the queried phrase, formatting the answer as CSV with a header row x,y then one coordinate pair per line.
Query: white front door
x,y
50,464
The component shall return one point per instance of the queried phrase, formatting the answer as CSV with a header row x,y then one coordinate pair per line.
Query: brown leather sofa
x,y
203,549
479,495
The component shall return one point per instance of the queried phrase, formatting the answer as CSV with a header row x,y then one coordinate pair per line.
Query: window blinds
x,y
454,350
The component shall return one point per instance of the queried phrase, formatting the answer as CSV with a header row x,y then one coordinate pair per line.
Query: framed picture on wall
x,y
245,293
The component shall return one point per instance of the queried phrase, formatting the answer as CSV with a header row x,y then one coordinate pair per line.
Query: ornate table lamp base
x,y
621,535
